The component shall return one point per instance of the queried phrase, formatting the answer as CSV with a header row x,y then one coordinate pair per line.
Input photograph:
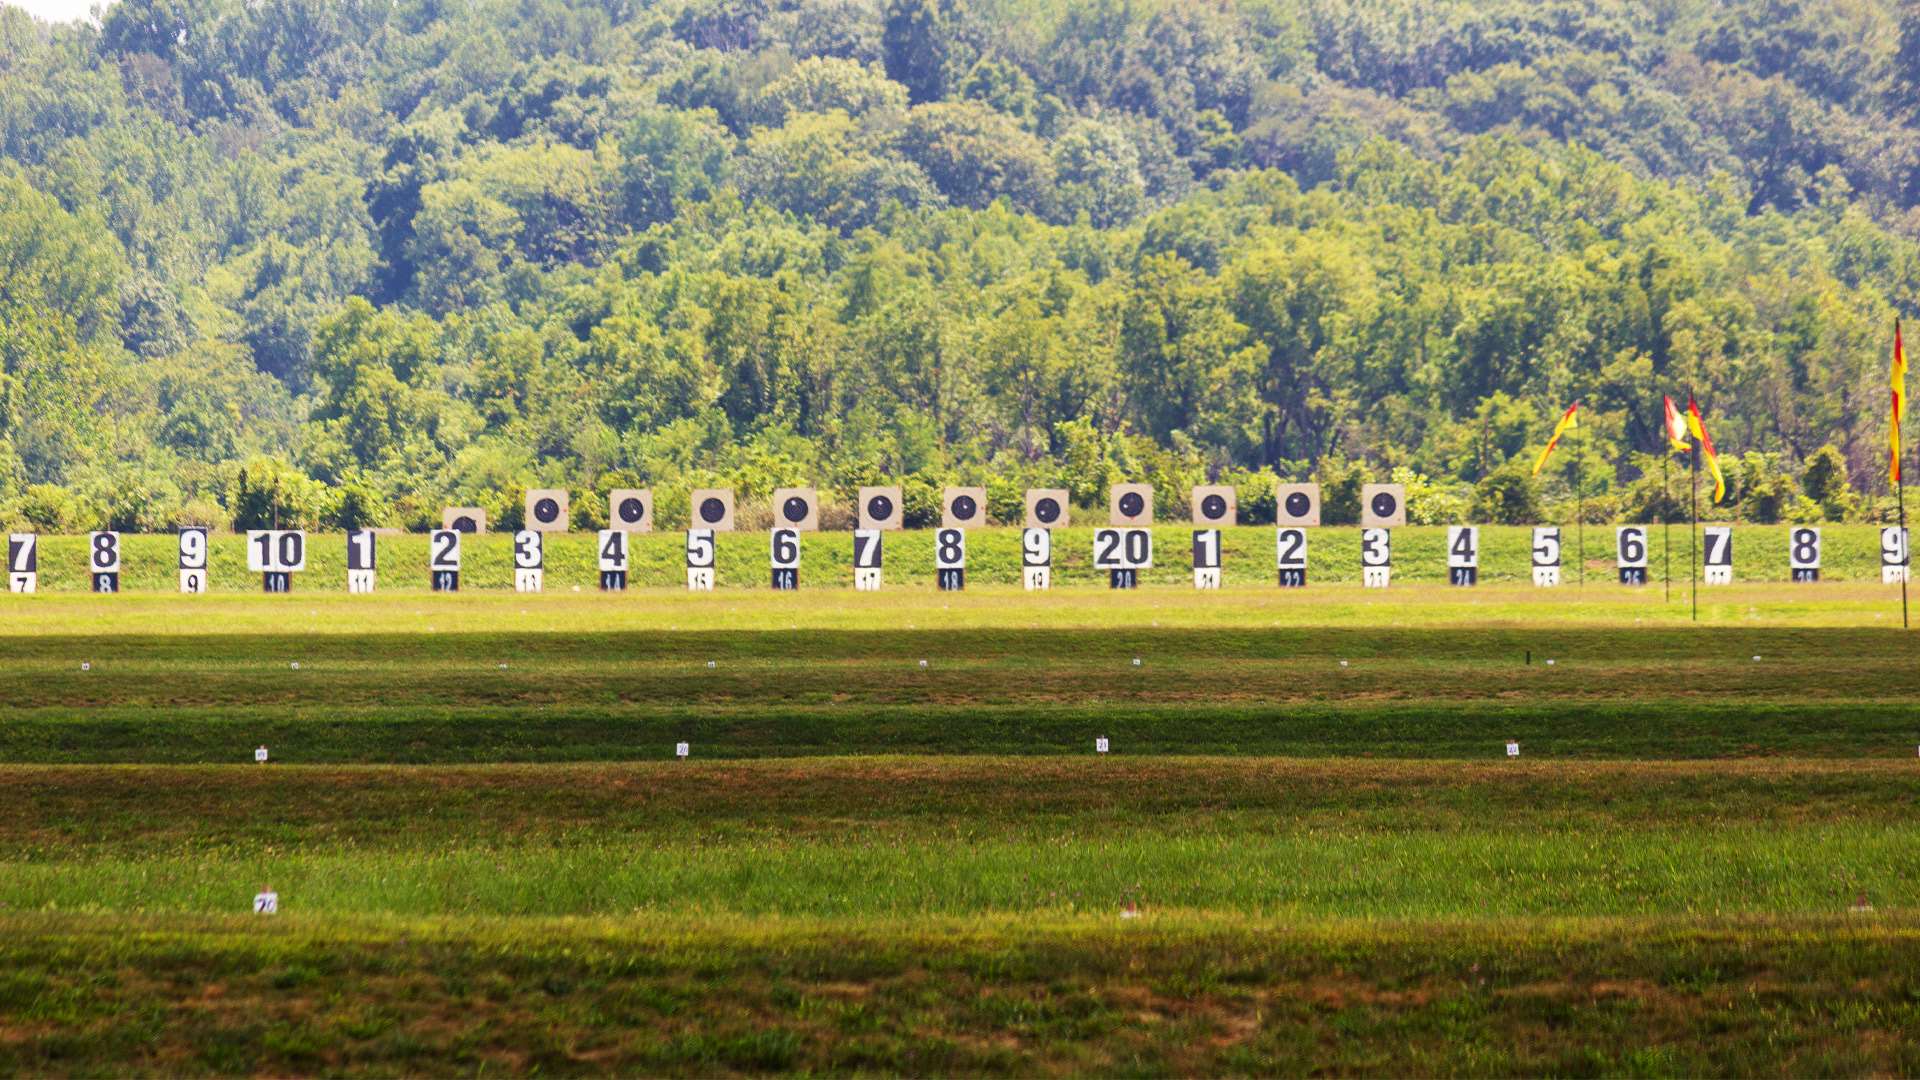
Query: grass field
x,y
1706,859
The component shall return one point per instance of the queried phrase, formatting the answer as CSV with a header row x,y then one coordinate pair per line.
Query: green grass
x,y
1176,993
149,562
1422,672
872,866
917,837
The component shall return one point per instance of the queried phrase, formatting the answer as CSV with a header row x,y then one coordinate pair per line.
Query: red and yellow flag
x,y
1568,419
1676,427
1898,377
1706,449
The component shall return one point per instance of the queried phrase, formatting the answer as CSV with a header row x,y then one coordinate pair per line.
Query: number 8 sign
x,y
1803,554
103,559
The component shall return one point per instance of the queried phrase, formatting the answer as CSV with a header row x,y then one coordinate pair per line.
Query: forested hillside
x,y
345,262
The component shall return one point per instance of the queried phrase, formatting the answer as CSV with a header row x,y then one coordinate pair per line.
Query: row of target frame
x,y
882,508
278,554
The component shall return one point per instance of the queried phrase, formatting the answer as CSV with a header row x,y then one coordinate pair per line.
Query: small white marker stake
x,y
296,665
1136,661
679,749
1549,663
923,663
1756,659
86,665
1343,663
710,663
1100,745
266,903
260,756
1513,748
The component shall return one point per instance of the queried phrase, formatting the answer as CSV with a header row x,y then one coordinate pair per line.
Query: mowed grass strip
x,y
899,838
1169,993
70,812
1648,728
795,683
1252,605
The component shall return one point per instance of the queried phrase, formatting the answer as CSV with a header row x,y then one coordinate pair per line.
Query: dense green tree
x,y
403,254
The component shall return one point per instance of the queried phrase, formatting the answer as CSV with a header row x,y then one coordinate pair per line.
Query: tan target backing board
x,y
630,509
796,508
963,508
880,507
466,519
1048,508
547,510
1130,504
1383,506
1296,505
1215,506
710,508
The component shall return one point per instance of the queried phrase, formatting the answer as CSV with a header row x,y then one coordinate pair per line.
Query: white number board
x,y
1894,555
1206,558
1376,557
950,549
784,549
363,553
867,555
529,561
1122,549
103,552
1546,556
1630,554
1803,553
1716,554
193,561
700,560
1290,555
1036,558
23,562
1463,554
612,547
276,551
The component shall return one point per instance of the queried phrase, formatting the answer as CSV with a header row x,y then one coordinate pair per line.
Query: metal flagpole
x,y
1666,519
1580,503
1900,492
1694,529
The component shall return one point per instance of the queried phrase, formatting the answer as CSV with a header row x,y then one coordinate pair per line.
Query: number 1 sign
x,y
362,556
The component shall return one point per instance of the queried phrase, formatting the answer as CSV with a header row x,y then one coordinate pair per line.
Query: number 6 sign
x,y
1631,554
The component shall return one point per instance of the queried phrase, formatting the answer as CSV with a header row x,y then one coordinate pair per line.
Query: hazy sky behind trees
x,y
55,10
